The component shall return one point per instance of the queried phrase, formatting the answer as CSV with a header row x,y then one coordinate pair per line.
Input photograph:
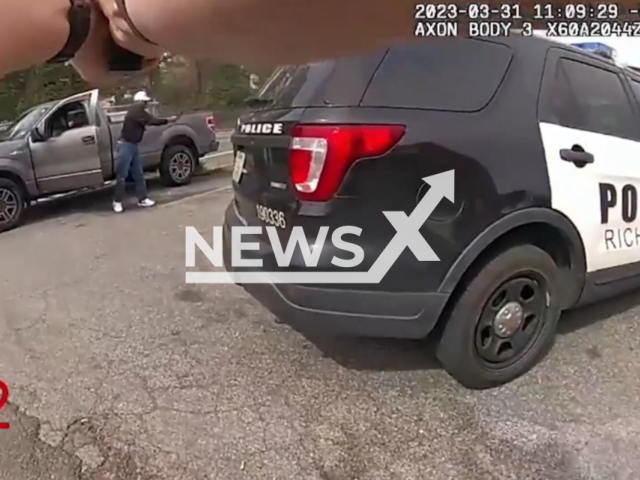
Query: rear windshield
x,y
340,82
451,75
294,86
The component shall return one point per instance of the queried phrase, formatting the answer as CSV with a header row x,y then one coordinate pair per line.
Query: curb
x,y
225,132
212,166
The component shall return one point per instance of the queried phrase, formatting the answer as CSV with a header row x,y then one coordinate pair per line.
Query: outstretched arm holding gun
x,y
249,32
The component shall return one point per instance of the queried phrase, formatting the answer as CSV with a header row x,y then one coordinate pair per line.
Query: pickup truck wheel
x,y
504,321
178,165
12,203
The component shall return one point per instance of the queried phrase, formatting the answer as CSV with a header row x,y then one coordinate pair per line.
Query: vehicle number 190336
x,y
271,216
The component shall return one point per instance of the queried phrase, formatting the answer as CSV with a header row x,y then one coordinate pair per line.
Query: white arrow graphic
x,y
407,236
408,228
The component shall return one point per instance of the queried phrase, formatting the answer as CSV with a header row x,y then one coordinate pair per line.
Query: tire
x,y
12,204
177,166
487,340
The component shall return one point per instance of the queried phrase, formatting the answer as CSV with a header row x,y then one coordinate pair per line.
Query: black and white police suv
x,y
543,141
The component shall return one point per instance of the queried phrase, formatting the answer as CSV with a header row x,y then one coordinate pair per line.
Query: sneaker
x,y
117,207
147,202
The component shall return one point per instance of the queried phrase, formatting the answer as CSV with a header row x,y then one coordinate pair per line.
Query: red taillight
x,y
211,123
321,154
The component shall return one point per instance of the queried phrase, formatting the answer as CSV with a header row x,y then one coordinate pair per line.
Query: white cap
x,y
141,96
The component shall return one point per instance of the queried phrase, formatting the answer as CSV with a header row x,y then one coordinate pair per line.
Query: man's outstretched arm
x,y
277,32
153,120
271,32
249,32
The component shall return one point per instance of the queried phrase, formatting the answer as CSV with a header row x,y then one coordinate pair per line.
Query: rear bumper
x,y
340,310
350,312
215,146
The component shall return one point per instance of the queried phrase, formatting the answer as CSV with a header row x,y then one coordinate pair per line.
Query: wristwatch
x,y
122,10
79,28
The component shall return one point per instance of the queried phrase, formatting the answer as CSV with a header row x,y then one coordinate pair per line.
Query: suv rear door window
x,y
339,82
635,86
457,75
588,98
294,86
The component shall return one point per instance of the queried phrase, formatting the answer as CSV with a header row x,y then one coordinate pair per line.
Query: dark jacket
x,y
136,122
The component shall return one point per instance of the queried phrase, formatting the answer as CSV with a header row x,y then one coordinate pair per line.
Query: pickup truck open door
x,y
64,146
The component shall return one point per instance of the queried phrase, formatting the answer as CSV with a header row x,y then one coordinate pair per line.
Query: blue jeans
x,y
129,161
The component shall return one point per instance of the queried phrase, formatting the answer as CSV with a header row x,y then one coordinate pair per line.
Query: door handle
x,y
579,158
90,140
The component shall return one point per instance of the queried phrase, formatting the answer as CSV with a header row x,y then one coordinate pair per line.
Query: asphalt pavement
x,y
120,370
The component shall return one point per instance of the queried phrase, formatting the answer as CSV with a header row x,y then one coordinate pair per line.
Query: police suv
x,y
521,157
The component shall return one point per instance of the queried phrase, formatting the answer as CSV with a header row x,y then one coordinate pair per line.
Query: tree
x,y
179,84
22,90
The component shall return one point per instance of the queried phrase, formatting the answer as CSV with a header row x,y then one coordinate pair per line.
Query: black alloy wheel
x,y
511,320
503,318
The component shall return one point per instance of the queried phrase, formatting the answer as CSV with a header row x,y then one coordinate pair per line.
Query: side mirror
x,y
37,135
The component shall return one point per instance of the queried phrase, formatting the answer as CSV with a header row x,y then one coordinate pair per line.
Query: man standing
x,y
135,124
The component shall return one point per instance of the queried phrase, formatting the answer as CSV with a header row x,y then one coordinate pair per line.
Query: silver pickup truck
x,y
71,144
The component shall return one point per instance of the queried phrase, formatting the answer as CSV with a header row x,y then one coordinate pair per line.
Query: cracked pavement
x,y
119,370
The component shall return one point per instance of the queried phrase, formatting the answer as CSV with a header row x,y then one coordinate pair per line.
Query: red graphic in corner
x,y
4,398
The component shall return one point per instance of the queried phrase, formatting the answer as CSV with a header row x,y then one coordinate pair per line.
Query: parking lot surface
x,y
120,370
